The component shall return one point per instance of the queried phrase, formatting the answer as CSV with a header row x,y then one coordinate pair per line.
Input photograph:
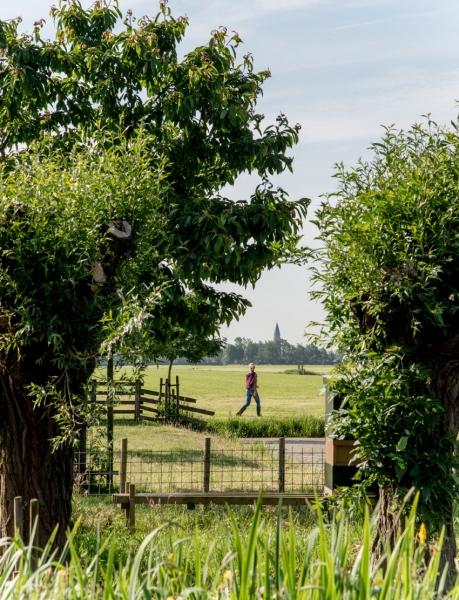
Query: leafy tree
x,y
280,352
191,346
98,229
192,342
389,281
233,353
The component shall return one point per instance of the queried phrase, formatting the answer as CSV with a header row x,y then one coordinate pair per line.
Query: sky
x,y
340,68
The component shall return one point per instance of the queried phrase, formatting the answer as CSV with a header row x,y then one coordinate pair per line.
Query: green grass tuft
x,y
305,426
297,372
242,554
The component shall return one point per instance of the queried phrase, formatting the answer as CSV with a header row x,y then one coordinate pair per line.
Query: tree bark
x,y
443,360
388,523
29,467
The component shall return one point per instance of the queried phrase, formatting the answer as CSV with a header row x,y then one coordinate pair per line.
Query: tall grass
x,y
304,426
254,567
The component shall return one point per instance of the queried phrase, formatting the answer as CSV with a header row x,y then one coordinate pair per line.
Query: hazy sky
x,y
341,68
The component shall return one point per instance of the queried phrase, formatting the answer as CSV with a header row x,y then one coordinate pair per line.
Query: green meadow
x,y
222,388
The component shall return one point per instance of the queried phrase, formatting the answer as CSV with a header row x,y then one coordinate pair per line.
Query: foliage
x,y
388,277
304,426
189,343
255,566
397,431
199,115
113,154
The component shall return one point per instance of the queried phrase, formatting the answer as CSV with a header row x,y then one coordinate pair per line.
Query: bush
x,y
305,426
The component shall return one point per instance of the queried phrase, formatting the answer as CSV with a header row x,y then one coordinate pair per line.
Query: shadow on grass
x,y
227,458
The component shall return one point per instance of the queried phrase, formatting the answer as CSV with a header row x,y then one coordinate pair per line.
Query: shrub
x,y
305,426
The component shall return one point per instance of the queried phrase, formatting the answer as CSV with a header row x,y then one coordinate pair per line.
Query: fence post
x,y
207,465
178,396
33,532
137,402
123,464
174,403
126,506
18,527
110,400
131,513
167,391
82,449
282,464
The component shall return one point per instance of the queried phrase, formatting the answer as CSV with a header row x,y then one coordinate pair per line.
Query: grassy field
x,y
146,435
222,388
248,554
210,528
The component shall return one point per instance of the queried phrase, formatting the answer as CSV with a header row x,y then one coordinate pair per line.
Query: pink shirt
x,y
250,379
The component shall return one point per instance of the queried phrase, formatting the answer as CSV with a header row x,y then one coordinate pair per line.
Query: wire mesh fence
x,y
250,469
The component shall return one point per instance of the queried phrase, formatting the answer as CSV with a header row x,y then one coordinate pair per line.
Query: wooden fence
x,y
272,485
131,399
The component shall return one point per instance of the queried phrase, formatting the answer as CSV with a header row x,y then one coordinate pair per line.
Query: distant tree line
x,y
280,352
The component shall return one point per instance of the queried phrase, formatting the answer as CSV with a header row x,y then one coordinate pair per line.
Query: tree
x,y
389,278
191,346
191,341
114,153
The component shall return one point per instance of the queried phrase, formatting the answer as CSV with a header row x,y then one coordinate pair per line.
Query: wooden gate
x,y
166,405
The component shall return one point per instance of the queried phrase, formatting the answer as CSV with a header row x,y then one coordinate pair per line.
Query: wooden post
x,y
110,401
123,464
166,399
282,464
82,449
132,505
339,471
126,506
177,397
174,404
207,465
18,526
137,402
33,532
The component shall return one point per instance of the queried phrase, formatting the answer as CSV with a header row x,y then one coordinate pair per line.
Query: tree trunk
x,y
442,357
443,360
390,520
388,523
29,467
171,362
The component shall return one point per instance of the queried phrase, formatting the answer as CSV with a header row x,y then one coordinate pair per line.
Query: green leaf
x,y
403,441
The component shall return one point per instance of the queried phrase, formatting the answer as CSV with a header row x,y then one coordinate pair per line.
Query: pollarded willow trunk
x,y
29,467
443,360
388,525
442,357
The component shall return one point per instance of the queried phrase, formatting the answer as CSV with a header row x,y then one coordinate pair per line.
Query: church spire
x,y
277,334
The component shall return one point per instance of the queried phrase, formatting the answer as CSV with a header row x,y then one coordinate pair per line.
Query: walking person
x,y
251,386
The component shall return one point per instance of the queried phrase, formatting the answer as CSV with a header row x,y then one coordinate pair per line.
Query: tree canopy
x,y
113,155
280,352
390,286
